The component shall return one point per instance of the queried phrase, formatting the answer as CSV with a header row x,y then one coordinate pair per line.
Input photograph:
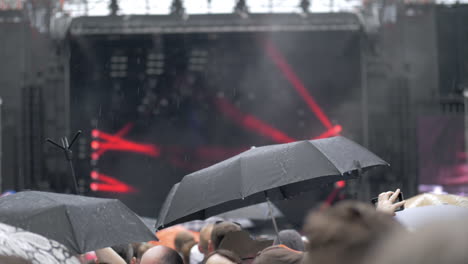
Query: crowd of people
x,y
348,232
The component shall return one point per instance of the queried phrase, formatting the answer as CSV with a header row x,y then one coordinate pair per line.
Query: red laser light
x,y
250,122
97,187
117,143
298,85
109,184
334,131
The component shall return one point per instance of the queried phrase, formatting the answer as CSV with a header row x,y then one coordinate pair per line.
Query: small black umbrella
x,y
264,173
80,223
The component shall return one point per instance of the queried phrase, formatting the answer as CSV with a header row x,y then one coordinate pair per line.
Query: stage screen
x,y
154,108
442,154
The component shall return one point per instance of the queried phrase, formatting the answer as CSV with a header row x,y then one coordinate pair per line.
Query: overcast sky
x,y
100,7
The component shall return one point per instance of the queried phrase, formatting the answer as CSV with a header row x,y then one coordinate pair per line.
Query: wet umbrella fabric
x,y
80,223
276,171
16,242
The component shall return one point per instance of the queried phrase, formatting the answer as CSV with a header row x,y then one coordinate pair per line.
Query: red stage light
x,y
94,187
340,184
94,175
95,144
95,133
94,156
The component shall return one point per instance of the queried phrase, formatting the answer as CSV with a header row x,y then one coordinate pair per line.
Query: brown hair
x,y
185,251
344,232
220,230
142,249
182,238
205,235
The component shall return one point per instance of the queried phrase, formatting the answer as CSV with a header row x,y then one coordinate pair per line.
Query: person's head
x,y
219,232
345,232
125,251
182,238
444,242
205,236
223,257
186,249
279,254
142,249
290,238
161,255
135,247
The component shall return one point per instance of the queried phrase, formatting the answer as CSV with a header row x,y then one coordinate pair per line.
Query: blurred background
x,y
164,88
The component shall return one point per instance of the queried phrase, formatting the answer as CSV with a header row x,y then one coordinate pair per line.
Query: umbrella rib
x,y
281,190
73,231
326,156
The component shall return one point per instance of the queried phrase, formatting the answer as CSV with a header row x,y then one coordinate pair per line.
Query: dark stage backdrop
x,y
154,108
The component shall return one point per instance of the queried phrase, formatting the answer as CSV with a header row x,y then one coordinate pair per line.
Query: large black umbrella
x,y
80,223
270,172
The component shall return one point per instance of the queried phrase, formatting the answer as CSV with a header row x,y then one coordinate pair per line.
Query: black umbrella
x,y
264,173
80,223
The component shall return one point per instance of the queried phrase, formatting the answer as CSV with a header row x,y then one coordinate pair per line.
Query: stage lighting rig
x,y
114,7
177,8
241,8
305,5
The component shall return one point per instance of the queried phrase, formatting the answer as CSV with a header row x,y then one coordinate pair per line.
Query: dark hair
x,y
125,251
220,230
171,257
135,247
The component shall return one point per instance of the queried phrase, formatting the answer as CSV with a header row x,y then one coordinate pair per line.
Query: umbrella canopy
x,y
276,171
15,242
80,223
414,218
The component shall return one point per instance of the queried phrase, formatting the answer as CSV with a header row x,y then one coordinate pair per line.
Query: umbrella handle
x,y
273,219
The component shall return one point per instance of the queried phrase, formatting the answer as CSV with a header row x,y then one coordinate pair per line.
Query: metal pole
x,y
273,219
465,101
364,96
1,145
